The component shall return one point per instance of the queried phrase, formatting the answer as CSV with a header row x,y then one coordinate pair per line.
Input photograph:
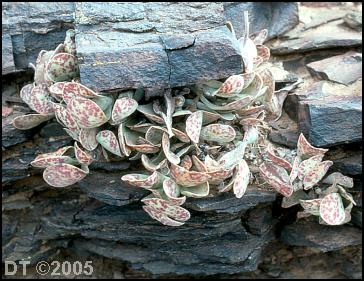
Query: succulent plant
x,y
192,143
302,182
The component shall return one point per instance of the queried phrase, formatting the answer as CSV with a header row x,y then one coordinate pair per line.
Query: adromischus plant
x,y
192,143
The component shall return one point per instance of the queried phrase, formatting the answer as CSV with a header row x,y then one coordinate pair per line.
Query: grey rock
x,y
328,114
345,69
228,203
354,20
330,35
357,217
259,220
277,17
110,189
7,56
35,26
322,237
131,44
351,165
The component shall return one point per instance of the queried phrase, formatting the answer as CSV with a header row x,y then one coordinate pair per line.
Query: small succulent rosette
x,y
303,182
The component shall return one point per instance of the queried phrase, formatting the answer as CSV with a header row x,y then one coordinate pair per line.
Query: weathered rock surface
x,y
32,27
328,114
277,17
154,45
322,237
344,69
330,35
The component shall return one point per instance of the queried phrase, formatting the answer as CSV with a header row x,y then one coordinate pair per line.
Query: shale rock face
x,y
154,45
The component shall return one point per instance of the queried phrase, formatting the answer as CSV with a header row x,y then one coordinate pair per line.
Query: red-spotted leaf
x,y
156,164
232,86
242,179
173,158
147,110
145,181
87,138
315,175
233,106
198,164
124,148
86,113
51,160
332,209
311,206
123,108
276,159
263,52
25,122
187,178
277,177
305,150
73,133
162,218
233,157
193,126
62,67
40,100
82,156
294,172
218,133
186,162
108,140
135,142
163,206
62,175
26,93
209,117
56,90
74,89
172,191
340,179
308,165
294,199
198,191
64,116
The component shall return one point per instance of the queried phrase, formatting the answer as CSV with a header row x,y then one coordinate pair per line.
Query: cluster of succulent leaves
x,y
191,143
305,184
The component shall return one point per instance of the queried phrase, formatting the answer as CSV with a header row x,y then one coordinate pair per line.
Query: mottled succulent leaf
x,y
44,162
82,156
40,100
145,181
232,86
311,206
147,110
233,157
74,89
108,140
248,52
218,133
25,122
163,206
277,177
294,172
64,116
276,159
62,175
332,209
87,138
251,135
56,90
197,191
123,108
232,106
187,178
73,133
263,52
242,179
340,179
62,67
259,37
305,150
86,113
193,126
162,218
69,42
315,175
172,157
172,191
199,165
26,93
308,165
186,162
124,148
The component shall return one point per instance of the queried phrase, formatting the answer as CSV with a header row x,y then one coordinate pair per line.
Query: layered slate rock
x,y
328,113
344,69
154,45
330,35
29,28
277,17
322,237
